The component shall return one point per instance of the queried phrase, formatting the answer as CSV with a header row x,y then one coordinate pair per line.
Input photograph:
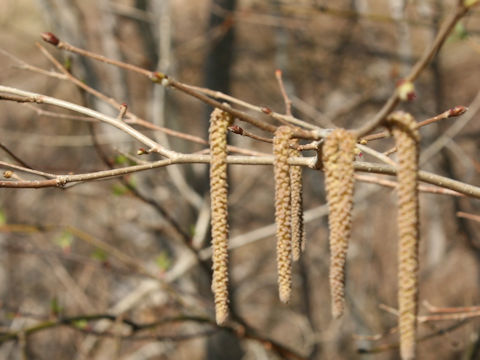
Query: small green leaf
x,y
67,64
119,190
3,217
192,230
55,307
80,324
65,240
99,255
132,182
163,261
459,33
121,160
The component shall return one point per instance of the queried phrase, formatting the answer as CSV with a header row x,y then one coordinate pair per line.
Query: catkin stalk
x,y
338,157
405,132
298,231
219,122
281,168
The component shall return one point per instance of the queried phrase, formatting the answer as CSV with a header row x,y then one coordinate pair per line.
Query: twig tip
x,y
50,38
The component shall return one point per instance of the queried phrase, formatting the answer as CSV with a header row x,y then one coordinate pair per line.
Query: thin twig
x,y
43,99
165,80
286,99
393,184
468,216
15,157
453,112
425,59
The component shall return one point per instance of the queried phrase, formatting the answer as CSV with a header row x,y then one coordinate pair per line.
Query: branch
x,y
165,80
43,99
421,64
62,180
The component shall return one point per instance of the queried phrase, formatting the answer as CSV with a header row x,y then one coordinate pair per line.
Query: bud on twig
x,y
406,90
50,38
457,110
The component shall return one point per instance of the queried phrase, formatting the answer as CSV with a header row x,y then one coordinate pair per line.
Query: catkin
x,y
281,153
405,132
219,122
338,157
298,231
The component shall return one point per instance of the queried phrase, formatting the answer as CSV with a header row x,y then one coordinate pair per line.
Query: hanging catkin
x,y
338,157
281,153
219,122
405,132
298,231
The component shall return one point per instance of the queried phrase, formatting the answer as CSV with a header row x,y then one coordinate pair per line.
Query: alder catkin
x,y
281,168
219,122
405,132
298,231
338,157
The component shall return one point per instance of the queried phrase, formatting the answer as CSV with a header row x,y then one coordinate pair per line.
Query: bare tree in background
x,y
105,213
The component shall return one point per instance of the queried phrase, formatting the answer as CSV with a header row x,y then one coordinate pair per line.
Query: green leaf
x,y
55,307
67,64
99,255
132,182
121,160
119,190
163,261
192,230
65,240
459,32
3,217
80,324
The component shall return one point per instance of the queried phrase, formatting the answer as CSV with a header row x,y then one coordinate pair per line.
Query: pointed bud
x,y
236,129
50,38
457,111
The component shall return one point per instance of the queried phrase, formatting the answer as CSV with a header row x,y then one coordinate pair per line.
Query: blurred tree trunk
x,y
146,34
220,54
220,57
219,61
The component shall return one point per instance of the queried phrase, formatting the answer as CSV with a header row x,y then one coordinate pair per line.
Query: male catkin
x,y
338,157
281,168
298,231
219,122
405,132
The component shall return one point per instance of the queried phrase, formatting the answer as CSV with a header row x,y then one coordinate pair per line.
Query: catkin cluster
x,y
281,152
219,122
298,231
405,132
338,158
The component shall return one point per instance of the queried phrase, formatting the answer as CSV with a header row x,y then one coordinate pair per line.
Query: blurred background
x,y
130,247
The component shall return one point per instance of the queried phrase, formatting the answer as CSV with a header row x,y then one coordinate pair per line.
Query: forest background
x,y
120,268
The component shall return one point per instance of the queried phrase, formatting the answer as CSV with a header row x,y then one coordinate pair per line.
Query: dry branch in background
x,y
219,122
281,151
338,157
404,129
